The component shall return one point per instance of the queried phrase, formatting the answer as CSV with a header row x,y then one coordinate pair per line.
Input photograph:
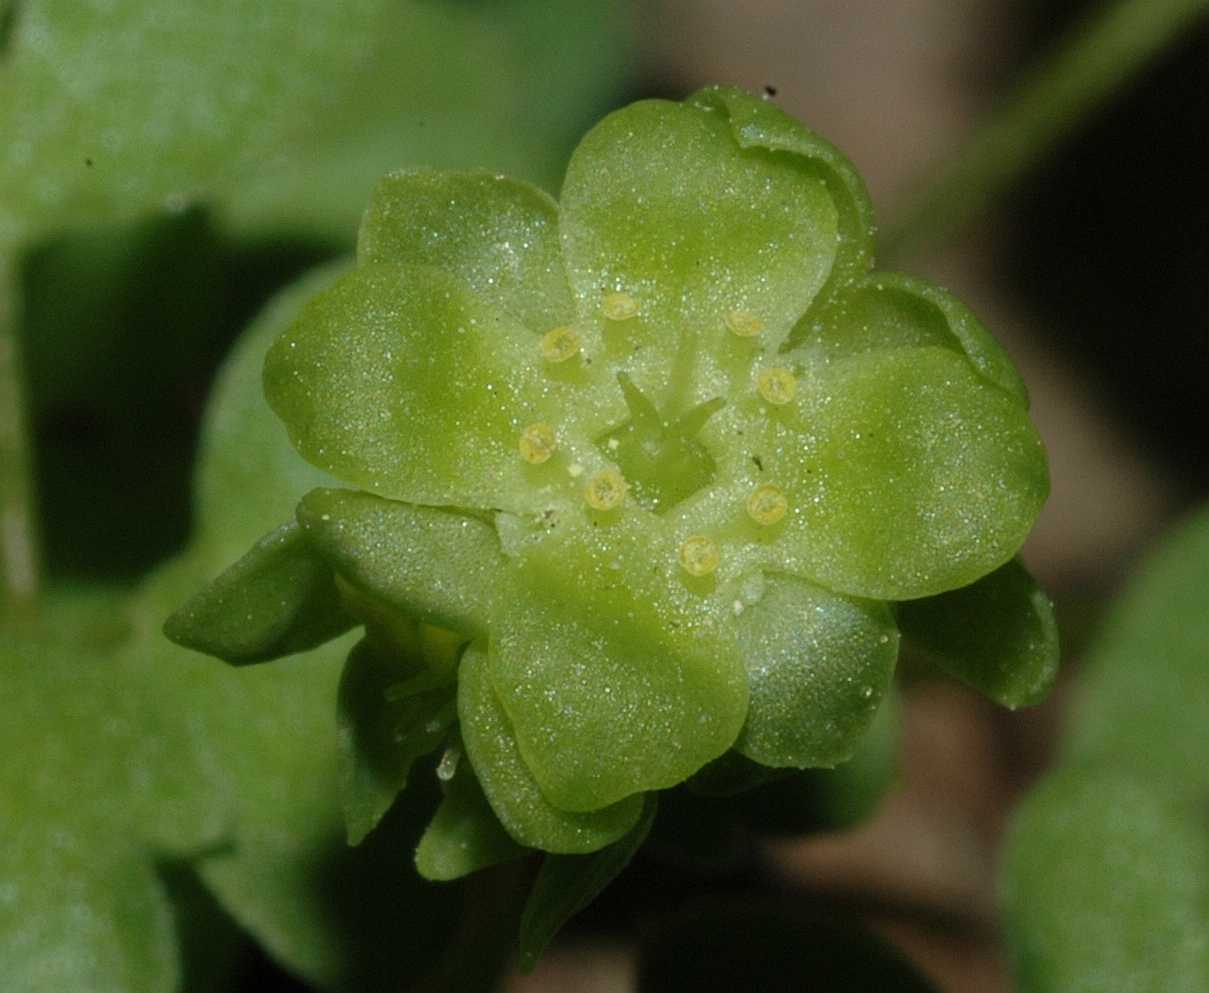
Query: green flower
x,y
664,455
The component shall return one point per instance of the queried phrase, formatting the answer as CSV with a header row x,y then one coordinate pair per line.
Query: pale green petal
x,y
759,123
498,235
514,794
662,205
906,474
404,383
616,675
818,666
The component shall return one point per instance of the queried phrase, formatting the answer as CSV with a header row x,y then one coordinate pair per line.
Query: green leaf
x,y
510,787
1106,885
818,666
110,782
661,204
640,679
907,474
403,382
464,836
279,599
1144,700
498,235
391,712
435,565
116,109
998,635
566,884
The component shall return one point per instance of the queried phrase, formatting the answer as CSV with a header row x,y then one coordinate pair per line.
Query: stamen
x,y
699,556
537,443
605,490
767,505
777,385
744,323
560,344
619,306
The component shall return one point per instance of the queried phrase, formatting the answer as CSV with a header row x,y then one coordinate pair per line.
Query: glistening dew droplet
x,y
699,556
537,443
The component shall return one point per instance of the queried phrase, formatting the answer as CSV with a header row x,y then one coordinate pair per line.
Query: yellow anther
x,y
744,323
767,505
619,306
777,385
560,344
699,555
605,490
537,443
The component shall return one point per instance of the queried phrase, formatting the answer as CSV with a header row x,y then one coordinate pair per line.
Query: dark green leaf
x,y
997,634
279,599
566,884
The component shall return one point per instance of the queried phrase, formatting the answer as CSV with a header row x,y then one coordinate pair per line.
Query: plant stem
x,y
1099,56
18,526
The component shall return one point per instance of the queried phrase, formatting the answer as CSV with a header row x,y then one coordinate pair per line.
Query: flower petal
x,y
615,675
498,235
905,472
665,215
818,666
510,788
403,382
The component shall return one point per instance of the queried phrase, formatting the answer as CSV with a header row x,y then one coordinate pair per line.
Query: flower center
x,y
661,460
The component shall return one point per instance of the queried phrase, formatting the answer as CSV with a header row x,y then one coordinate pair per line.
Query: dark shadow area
x,y
1109,242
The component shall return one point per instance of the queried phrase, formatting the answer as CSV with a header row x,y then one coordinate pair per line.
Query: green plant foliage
x,y
110,784
286,114
1106,880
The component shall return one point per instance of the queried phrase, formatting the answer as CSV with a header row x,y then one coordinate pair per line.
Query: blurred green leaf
x,y
1106,879
1144,700
998,635
287,113
105,776
1106,885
